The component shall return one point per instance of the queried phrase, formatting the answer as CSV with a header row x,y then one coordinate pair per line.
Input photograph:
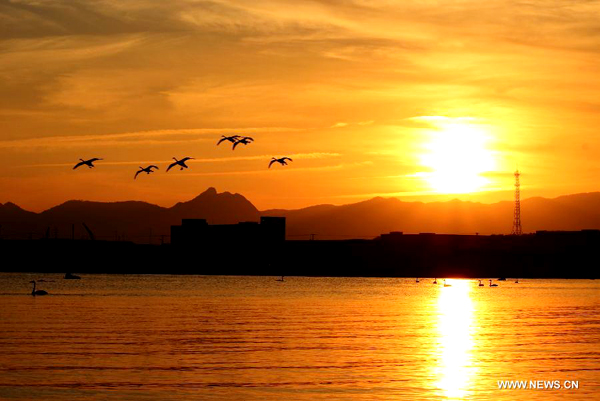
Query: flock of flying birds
x,y
234,139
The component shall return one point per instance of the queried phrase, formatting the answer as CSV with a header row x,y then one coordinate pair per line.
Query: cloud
x,y
339,125
266,158
139,137
74,70
286,170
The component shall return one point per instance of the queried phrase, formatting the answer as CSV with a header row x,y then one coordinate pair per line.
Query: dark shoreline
x,y
543,255
424,280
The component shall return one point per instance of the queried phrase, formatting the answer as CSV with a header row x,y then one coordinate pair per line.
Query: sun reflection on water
x,y
456,338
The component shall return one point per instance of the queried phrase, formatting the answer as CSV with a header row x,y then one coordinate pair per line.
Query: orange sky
x,y
392,98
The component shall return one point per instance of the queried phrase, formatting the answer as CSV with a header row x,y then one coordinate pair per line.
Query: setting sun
x,y
457,155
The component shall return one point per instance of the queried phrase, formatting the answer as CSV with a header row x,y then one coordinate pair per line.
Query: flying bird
x,y
231,139
180,163
245,140
281,161
89,163
146,170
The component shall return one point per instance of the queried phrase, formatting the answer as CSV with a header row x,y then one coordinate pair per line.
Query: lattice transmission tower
x,y
516,230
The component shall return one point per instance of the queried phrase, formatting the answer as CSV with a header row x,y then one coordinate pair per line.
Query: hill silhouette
x,y
129,220
381,215
136,221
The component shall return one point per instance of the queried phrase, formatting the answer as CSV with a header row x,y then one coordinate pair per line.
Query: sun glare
x,y
457,154
456,339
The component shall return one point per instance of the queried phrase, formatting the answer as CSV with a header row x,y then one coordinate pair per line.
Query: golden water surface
x,y
114,337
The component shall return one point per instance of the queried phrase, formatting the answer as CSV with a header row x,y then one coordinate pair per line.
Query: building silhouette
x,y
261,248
197,232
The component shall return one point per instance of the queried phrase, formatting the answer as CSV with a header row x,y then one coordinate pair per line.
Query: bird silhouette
x,y
89,163
231,139
180,163
38,292
480,283
447,285
281,161
493,285
245,140
146,170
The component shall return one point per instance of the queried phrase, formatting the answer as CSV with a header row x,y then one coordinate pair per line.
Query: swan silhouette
x,y
517,282
417,280
231,139
493,285
38,292
245,140
281,161
280,279
434,281
146,170
180,163
89,163
480,283
447,285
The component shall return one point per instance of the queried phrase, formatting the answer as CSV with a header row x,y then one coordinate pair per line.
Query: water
x,y
116,337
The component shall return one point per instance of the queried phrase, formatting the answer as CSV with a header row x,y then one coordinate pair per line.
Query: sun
x,y
456,156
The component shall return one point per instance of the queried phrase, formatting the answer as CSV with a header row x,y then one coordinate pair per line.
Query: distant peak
x,y
211,195
10,205
210,191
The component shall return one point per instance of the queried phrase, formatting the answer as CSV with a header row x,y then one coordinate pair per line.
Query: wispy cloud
x,y
291,170
138,136
339,125
266,158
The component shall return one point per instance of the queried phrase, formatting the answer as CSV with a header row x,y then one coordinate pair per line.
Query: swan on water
x,y
35,292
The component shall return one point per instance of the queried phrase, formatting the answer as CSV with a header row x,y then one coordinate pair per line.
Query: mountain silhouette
x,y
9,211
129,220
217,208
137,221
381,215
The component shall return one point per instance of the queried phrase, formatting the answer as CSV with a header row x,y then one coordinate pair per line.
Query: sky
x,y
421,100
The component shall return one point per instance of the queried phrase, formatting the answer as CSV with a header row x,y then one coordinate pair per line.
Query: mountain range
x,y
144,222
